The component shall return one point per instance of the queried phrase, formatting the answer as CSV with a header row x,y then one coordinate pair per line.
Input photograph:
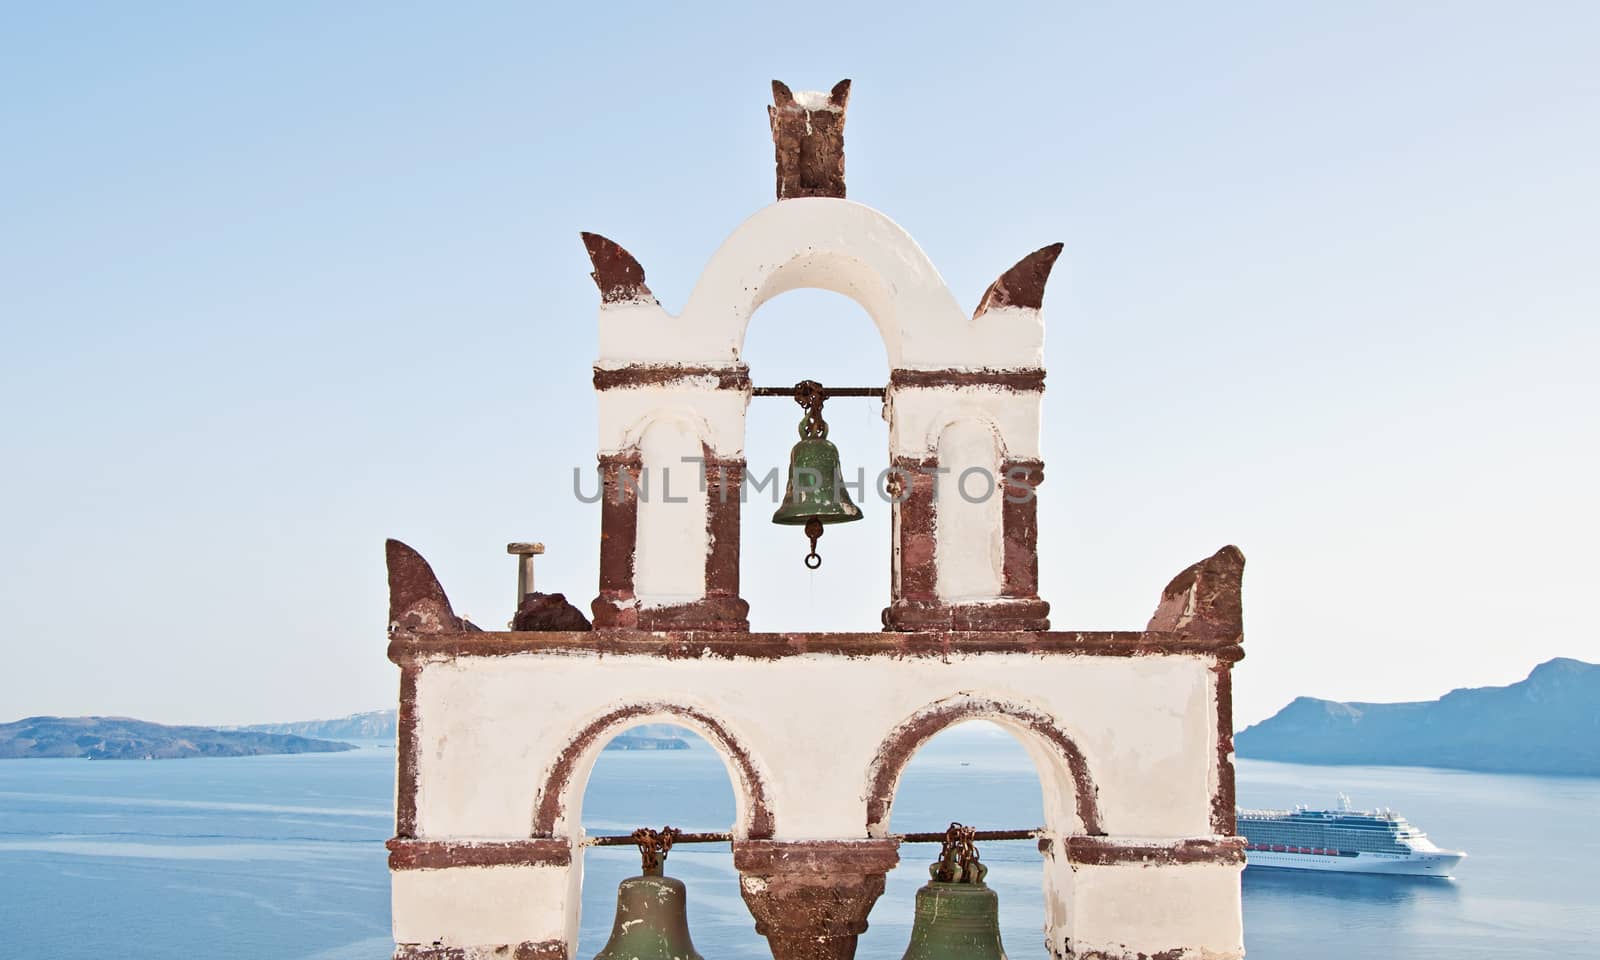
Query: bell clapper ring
x,y
814,531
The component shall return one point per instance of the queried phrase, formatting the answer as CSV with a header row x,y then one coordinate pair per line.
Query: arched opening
x,y
1055,776
653,771
980,774
823,336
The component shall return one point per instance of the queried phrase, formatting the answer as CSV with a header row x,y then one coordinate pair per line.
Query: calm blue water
x,y
281,858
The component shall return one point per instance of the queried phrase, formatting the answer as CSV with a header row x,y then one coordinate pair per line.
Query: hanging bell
x,y
958,916
652,921
815,494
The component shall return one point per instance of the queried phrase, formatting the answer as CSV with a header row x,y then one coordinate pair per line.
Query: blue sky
x,y
278,281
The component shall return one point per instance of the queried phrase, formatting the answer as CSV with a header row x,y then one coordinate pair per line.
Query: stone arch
x,y
967,414
826,243
838,245
1063,771
564,782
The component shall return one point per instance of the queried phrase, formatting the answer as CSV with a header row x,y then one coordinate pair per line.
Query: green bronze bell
x,y
652,921
958,916
815,493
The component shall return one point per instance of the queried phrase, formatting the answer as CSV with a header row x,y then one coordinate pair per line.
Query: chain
x,y
654,845
958,857
810,394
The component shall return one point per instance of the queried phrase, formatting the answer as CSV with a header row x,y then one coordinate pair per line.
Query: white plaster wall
x,y
1134,910
489,729
830,244
919,415
670,553
481,906
717,416
969,544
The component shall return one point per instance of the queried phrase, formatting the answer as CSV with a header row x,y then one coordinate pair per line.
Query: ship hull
x,y
1440,864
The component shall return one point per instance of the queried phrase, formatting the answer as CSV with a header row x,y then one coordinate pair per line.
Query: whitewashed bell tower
x,y
1130,731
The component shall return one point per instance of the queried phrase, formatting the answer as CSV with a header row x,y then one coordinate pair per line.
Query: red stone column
x,y
912,597
810,899
1019,514
616,608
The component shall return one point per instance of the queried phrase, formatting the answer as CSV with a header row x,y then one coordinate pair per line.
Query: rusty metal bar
x,y
938,836
831,392
627,840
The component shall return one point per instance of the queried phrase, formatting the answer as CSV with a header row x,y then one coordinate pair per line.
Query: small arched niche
x,y
970,551
671,552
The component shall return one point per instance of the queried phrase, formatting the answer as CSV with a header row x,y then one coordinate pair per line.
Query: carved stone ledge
x,y
1004,615
1110,851
408,854
732,645
715,614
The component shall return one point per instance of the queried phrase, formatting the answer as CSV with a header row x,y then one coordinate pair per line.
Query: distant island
x,y
383,725
1546,724
121,738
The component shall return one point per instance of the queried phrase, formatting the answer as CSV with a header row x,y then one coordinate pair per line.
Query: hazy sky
x,y
280,280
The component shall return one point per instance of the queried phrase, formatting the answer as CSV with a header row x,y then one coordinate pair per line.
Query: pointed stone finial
x,y
808,140
417,603
1205,598
1022,285
616,272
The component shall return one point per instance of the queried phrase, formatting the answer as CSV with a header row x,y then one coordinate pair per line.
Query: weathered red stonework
x,y
808,143
897,750
530,950
724,482
1224,818
1002,615
1019,520
1015,381
1206,598
407,854
695,645
811,898
1022,285
615,607
548,809
417,603
642,375
616,272
1106,851
405,794
914,526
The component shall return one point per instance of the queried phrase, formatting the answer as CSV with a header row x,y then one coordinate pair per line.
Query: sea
x,y
282,858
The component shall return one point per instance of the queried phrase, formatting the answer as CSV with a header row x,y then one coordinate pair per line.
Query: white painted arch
x,y
823,243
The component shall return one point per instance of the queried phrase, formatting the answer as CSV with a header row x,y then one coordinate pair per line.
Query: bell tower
x,y
1130,731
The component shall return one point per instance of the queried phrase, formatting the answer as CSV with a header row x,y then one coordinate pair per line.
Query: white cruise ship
x,y
1343,840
